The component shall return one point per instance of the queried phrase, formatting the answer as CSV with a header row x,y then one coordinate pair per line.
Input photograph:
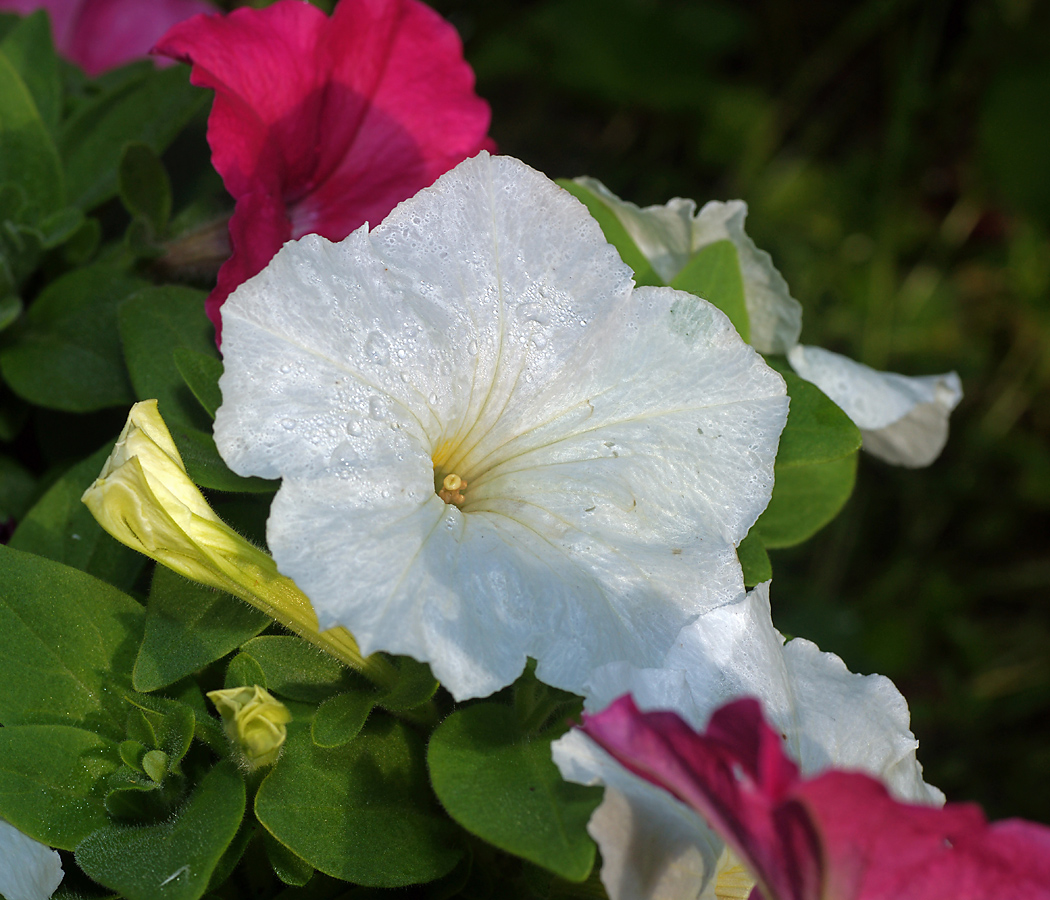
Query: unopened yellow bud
x,y
254,721
145,499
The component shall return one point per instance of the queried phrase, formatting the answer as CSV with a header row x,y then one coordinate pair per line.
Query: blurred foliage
x,y
893,153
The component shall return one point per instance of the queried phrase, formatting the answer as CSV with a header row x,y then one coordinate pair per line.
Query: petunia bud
x,y
145,499
254,721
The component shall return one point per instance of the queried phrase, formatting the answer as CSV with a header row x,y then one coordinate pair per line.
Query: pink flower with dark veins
x,y
99,35
321,124
838,836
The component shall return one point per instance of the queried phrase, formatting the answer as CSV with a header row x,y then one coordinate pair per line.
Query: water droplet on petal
x,y
378,348
353,428
286,368
472,347
376,409
288,424
433,399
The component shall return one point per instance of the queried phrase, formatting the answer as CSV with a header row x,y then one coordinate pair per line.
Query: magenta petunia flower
x,y
321,124
838,836
99,35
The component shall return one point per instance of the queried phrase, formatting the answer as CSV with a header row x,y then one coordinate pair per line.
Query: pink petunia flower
x,y
99,35
322,124
838,836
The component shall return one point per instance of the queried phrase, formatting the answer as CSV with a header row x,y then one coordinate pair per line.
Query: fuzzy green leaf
x,y
67,354
500,783
714,274
340,718
53,781
173,859
188,626
60,527
67,645
145,189
201,372
361,812
295,669
805,498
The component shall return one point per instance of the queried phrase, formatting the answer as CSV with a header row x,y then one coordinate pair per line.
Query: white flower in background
x,y
670,235
655,848
29,870
491,446
904,420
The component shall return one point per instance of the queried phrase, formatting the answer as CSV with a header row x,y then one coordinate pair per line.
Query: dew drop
x,y
472,348
450,522
288,424
432,399
385,494
378,348
286,368
539,341
376,409
401,354
353,428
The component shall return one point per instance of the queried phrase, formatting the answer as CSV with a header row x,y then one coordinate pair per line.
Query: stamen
x,y
452,489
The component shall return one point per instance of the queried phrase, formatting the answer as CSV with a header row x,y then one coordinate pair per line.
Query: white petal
x,y
652,846
664,234
28,869
775,316
669,235
903,420
829,717
617,444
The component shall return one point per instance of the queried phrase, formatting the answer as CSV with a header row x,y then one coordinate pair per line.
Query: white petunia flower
x,y
904,420
670,235
29,870
655,848
491,446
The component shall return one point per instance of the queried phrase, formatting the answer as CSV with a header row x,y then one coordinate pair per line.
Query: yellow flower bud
x,y
144,498
254,721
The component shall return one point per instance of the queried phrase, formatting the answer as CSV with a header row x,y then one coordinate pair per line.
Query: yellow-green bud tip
x,y
254,721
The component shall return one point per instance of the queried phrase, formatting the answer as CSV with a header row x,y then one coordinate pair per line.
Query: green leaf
x,y
171,722
67,645
243,671
155,764
340,718
10,309
361,812
31,52
614,233
295,669
207,469
173,859
201,372
805,498
153,323
415,685
754,560
16,489
28,156
287,866
714,274
139,104
145,189
53,781
68,356
60,527
188,626
500,783
817,430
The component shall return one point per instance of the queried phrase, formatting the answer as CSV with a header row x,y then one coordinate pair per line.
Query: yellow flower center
x,y
732,880
452,488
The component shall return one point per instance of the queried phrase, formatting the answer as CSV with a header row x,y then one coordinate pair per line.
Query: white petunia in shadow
x,y
903,419
492,446
653,847
29,870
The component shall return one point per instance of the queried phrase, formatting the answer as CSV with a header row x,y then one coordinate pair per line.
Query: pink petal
x,y
839,836
101,34
878,848
258,229
269,86
419,118
735,774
